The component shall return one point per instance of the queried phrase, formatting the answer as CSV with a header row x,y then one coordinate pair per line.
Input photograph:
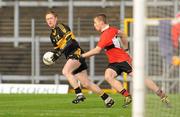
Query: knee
x,y
108,78
66,72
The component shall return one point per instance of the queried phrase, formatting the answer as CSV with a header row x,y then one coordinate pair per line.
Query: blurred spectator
x,y
175,32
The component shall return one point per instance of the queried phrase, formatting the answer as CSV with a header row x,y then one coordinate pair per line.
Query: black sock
x,y
104,96
77,90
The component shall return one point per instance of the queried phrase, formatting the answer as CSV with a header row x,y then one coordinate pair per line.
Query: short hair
x,y
52,12
101,17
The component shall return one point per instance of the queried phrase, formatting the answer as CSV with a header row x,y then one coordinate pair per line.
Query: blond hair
x,y
52,12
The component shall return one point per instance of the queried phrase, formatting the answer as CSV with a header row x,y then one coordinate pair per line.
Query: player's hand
x,y
56,55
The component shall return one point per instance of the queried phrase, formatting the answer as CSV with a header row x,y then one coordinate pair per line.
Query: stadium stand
x,y
82,27
18,60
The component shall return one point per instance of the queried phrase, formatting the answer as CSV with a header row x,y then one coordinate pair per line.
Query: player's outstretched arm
x,y
92,52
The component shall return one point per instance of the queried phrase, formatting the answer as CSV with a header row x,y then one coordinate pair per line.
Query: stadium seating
x,y
20,58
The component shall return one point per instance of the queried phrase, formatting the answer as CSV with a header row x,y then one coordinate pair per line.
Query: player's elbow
x,y
97,50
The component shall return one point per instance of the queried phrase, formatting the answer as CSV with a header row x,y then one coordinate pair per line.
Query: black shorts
x,y
120,67
83,65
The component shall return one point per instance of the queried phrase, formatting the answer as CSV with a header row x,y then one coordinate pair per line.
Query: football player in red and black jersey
x,y
115,44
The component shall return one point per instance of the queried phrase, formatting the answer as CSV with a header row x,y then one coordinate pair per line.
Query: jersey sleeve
x,y
68,34
103,41
64,28
63,36
106,37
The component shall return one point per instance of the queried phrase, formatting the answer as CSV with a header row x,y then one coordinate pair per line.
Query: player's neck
x,y
104,27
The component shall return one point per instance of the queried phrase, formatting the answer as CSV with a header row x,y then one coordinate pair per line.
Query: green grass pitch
x,y
36,105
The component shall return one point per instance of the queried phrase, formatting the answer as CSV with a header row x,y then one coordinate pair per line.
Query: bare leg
x,y
83,78
151,85
110,75
69,67
164,98
110,78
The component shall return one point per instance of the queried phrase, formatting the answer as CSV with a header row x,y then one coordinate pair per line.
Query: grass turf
x,y
58,106
29,105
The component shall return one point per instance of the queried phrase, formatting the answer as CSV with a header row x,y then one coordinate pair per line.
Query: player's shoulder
x,y
111,29
63,27
114,28
61,24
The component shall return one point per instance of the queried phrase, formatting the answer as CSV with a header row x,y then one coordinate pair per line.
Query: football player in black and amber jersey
x,y
64,42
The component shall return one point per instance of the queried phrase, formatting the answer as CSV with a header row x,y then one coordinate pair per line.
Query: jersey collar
x,y
106,27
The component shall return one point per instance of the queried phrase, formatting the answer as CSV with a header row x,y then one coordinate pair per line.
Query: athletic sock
x,y
160,93
78,91
125,93
104,96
